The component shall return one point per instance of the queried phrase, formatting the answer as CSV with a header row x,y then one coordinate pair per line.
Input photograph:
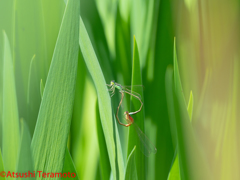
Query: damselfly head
x,y
112,82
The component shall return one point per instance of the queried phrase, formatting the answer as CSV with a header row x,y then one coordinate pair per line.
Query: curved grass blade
x,y
102,92
69,165
104,159
10,121
131,172
41,88
174,173
30,73
123,47
119,153
190,106
52,128
25,160
29,38
192,163
33,98
139,117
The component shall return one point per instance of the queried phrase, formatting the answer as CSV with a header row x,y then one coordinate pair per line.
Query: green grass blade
x,y
52,128
25,160
119,153
139,117
107,11
10,121
190,106
33,98
143,24
123,48
69,166
52,17
170,103
191,160
29,39
31,72
1,167
79,109
175,172
41,88
98,38
103,95
131,172
104,159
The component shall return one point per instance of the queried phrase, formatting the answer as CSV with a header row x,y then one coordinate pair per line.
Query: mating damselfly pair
x,y
146,146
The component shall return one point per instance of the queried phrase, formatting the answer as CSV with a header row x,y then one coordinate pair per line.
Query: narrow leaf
x,y
52,128
192,162
190,106
69,166
33,98
131,171
10,125
31,71
41,88
25,161
104,159
174,173
119,154
139,117
103,95
28,39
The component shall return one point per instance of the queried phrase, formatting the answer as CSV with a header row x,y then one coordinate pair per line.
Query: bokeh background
x,y
207,46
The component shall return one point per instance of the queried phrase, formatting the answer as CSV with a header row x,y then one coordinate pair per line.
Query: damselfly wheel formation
x,y
145,144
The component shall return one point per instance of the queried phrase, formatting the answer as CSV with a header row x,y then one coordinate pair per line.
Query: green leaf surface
x,y
190,106
79,109
104,159
103,95
33,98
191,160
52,128
1,166
175,171
52,17
139,117
107,12
131,171
25,160
31,74
123,48
159,56
170,103
92,20
29,38
69,166
41,88
119,153
143,24
10,121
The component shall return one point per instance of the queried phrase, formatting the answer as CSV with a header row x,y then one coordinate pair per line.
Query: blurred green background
x,y
195,135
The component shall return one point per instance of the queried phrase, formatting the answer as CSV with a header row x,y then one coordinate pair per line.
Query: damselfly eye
x,y
112,82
